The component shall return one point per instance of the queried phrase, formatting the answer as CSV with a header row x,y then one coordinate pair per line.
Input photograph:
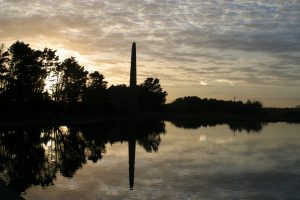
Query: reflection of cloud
x,y
192,169
256,42
202,138
203,83
225,141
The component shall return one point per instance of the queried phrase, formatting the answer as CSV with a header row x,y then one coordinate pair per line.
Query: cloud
x,y
253,42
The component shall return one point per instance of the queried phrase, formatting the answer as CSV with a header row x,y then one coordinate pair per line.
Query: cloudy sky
x,y
248,49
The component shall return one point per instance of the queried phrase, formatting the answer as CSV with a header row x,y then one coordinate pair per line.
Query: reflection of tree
x,y
249,126
72,154
147,133
252,126
23,161
193,124
151,140
96,148
33,155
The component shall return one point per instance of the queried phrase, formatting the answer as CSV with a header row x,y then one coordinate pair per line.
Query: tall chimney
x,y
132,83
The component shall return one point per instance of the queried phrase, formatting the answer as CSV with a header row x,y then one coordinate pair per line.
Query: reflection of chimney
x,y
131,152
133,66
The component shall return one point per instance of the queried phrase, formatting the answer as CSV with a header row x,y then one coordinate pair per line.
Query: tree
x,y
4,59
151,94
71,81
23,72
50,61
26,73
96,80
96,89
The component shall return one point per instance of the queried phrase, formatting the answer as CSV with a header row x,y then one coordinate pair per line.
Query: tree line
x,y
25,71
36,81
193,104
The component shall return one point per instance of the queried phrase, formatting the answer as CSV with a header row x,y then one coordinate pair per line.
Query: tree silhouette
x,y
23,72
3,68
26,76
192,104
96,80
71,81
95,92
150,94
23,159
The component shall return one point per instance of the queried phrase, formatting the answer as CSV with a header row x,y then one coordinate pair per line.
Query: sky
x,y
247,49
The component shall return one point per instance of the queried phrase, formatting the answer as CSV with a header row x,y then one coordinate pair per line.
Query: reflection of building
x,y
131,162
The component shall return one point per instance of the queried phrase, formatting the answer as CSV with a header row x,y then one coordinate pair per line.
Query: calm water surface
x,y
178,160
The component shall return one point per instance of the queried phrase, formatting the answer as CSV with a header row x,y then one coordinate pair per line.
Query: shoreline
x,y
165,116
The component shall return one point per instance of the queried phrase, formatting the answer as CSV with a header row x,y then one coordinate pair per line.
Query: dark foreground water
x,y
152,160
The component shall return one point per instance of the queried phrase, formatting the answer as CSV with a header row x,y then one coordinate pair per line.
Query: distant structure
x,y
132,82
133,108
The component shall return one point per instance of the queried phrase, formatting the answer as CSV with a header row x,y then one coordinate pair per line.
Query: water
x,y
168,160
